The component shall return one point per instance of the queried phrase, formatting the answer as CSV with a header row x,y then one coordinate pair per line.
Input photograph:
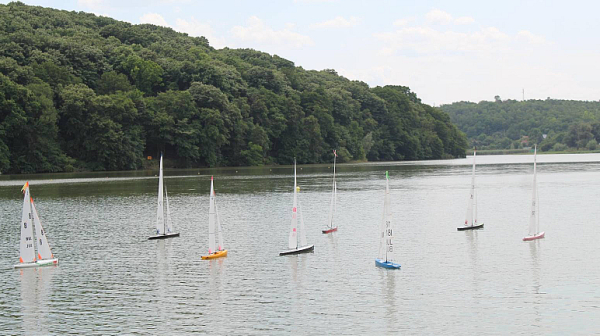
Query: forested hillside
x,y
512,124
82,92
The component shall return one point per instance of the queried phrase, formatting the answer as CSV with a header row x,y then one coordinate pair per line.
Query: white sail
x,y
27,250
160,216
381,252
302,231
475,211
293,240
169,228
43,248
221,246
334,198
212,218
469,220
389,233
332,206
533,219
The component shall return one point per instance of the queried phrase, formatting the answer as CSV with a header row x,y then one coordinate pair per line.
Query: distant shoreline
x,y
528,151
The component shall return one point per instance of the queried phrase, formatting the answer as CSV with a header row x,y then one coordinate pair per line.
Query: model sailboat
x,y
29,221
164,226
386,246
297,244
534,219
332,207
214,223
471,218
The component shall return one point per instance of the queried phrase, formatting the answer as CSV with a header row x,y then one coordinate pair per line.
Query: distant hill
x,y
512,124
82,92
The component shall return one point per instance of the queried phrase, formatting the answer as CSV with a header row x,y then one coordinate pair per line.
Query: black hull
x,y
165,236
305,249
474,227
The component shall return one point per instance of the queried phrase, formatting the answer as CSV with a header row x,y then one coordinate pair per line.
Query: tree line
x,y
83,92
554,125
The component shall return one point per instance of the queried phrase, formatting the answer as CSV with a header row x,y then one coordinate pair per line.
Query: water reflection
x,y
111,273
333,241
535,252
474,255
35,294
162,273
216,277
388,279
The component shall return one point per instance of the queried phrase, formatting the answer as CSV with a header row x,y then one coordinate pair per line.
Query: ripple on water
x,y
112,280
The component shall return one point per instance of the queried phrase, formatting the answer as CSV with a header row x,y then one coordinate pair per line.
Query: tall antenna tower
x,y
523,94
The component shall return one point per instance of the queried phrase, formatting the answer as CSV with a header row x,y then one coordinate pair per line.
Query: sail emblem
x,y
294,209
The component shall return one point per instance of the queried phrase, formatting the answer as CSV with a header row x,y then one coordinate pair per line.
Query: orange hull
x,y
218,254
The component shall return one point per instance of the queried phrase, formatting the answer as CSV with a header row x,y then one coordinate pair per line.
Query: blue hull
x,y
386,264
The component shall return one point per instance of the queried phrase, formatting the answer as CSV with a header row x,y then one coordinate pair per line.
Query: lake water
x,y
112,280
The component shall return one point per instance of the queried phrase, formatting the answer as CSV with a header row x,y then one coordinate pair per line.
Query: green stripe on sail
x,y
386,175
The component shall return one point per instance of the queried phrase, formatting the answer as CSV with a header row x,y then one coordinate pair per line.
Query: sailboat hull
x,y
218,254
474,227
39,263
164,236
330,230
305,249
386,264
538,236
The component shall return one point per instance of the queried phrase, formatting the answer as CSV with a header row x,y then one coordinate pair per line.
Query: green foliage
x,y
78,91
254,155
511,124
558,147
592,144
145,74
111,82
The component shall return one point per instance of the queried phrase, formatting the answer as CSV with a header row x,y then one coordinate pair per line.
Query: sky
x,y
445,51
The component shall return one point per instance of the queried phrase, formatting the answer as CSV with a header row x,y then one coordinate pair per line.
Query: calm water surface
x,y
111,280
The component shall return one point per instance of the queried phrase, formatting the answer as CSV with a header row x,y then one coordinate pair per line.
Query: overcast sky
x,y
445,51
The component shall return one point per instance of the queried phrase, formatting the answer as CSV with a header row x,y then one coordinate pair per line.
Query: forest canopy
x,y
551,124
86,92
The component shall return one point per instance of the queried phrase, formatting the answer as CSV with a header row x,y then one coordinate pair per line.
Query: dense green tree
x,y
504,123
78,91
111,82
28,128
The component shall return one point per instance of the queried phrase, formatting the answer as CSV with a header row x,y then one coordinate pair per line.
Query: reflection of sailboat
x,y
162,283
535,265
332,208
164,226
534,219
29,220
389,294
471,218
35,289
214,223
295,246
386,247
537,302
474,254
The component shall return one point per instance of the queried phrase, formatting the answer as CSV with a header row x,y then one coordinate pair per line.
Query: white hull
x,y
39,263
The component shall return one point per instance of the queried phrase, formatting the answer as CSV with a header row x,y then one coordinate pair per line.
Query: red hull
x,y
541,235
330,230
